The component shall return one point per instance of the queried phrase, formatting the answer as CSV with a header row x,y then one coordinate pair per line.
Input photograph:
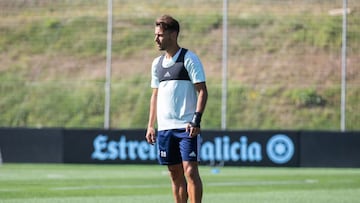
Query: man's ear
x,y
174,35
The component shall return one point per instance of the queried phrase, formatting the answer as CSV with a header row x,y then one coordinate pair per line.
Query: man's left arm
x,y
202,96
194,126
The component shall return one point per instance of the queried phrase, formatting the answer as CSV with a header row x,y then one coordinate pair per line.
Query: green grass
x,y
150,183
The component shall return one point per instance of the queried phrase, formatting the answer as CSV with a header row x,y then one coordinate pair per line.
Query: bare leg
x,y
195,188
178,182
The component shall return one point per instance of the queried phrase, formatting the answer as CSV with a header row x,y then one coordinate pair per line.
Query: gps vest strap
x,y
174,72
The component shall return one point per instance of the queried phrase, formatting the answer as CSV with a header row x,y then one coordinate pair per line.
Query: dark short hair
x,y
168,23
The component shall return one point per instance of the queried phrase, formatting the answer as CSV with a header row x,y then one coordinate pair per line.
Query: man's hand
x,y
150,135
193,131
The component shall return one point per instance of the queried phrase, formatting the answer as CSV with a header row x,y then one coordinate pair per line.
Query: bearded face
x,y
164,39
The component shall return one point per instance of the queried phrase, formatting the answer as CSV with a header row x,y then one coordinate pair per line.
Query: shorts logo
x,y
162,153
192,154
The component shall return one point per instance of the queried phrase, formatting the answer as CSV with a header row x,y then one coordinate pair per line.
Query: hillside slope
x,y
284,62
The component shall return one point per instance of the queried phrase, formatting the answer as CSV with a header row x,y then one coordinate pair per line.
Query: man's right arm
x,y
150,134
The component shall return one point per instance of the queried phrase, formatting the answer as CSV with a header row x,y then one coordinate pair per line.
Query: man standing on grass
x,y
178,100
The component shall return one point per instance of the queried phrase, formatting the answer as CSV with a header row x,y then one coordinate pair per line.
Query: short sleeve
x,y
154,77
194,67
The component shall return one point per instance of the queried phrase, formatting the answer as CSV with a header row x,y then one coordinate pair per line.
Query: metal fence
x,y
283,62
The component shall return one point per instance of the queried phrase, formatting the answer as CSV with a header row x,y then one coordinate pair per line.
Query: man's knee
x,y
176,172
191,171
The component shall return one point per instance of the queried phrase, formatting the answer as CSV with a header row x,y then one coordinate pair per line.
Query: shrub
x,y
306,98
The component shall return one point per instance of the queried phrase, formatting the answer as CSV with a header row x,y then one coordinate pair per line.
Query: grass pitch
x,y
56,183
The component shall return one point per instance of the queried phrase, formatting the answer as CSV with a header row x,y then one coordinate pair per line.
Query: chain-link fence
x,y
284,62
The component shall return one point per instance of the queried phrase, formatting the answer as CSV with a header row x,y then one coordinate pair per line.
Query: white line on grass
x,y
209,184
247,183
9,190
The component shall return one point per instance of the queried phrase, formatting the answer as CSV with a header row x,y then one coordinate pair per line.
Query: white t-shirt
x,y
177,99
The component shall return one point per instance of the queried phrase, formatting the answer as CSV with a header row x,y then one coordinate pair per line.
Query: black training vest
x,y
174,72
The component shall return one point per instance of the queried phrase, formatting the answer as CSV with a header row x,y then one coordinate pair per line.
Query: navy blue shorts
x,y
175,146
